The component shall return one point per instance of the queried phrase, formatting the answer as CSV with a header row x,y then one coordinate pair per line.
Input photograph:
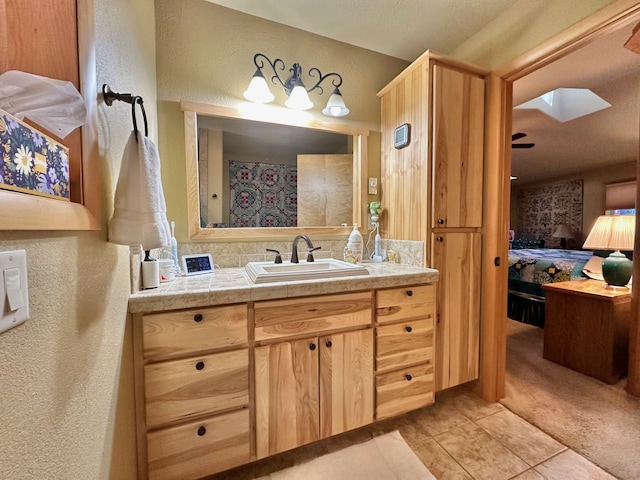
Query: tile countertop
x,y
232,285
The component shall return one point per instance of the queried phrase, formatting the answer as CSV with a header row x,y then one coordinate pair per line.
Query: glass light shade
x,y
335,106
299,99
614,232
258,90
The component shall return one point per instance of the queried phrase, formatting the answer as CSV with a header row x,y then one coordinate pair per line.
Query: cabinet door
x,y
346,381
286,380
457,257
458,133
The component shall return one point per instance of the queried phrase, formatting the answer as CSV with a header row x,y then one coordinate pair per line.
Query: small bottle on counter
x,y
353,251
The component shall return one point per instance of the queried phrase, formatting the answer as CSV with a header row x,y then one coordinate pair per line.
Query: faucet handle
x,y
310,253
278,257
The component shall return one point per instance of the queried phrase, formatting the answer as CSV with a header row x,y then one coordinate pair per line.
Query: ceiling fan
x,y
518,136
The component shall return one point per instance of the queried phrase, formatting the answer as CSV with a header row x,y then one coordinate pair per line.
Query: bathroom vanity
x,y
228,371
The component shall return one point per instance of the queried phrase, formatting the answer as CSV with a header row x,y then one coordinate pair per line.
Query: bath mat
x,y
386,457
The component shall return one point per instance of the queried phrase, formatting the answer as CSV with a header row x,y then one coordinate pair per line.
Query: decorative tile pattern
x,y
262,195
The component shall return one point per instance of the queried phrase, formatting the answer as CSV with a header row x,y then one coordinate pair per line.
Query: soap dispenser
x,y
353,251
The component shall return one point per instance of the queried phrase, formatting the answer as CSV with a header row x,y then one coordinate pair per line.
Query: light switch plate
x,y
9,261
373,185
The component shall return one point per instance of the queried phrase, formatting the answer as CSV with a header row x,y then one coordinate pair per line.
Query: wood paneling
x,y
457,257
402,344
197,449
395,304
276,319
435,186
346,381
287,396
458,131
404,390
184,389
174,334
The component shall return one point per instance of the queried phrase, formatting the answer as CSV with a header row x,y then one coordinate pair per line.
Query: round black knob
x,y
199,365
408,329
328,343
408,377
202,431
440,239
441,221
197,317
312,346
409,293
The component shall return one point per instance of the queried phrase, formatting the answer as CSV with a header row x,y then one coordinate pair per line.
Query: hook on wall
x,y
110,96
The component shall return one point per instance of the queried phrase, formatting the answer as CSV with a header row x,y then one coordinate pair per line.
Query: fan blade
x,y
518,136
522,145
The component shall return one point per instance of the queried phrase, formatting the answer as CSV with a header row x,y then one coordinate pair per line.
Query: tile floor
x,y
460,437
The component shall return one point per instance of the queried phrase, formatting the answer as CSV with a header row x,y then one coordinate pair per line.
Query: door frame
x,y
493,341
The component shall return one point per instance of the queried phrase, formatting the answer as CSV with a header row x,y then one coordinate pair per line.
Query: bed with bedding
x,y
529,269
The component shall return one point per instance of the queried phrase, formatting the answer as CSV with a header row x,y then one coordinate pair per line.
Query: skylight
x,y
566,104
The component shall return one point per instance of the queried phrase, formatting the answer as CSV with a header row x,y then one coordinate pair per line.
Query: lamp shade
x,y
563,231
614,232
335,106
299,99
258,90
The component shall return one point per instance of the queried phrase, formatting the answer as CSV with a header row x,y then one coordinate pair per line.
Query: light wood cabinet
x,y
432,188
218,387
404,349
192,391
314,387
457,256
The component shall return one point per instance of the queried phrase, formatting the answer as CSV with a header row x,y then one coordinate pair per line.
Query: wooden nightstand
x,y
587,328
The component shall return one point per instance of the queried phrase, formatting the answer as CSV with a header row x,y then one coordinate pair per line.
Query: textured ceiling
x,y
399,28
406,28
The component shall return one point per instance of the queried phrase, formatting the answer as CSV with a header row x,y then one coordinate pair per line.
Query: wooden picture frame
x,y
21,211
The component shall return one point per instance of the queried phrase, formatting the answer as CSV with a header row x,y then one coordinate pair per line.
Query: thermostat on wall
x,y
196,264
401,139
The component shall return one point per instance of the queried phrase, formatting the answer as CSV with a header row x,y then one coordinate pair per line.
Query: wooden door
x,y
286,393
457,257
458,148
346,381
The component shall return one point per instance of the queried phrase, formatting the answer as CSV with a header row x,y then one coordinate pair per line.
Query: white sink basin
x,y
264,272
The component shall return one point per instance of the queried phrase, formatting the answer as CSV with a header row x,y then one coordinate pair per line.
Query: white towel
x,y
140,212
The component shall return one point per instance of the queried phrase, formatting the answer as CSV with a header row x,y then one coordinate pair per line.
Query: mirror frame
x,y
196,232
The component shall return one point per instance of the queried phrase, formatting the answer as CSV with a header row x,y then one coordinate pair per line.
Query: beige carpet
x,y
386,457
599,421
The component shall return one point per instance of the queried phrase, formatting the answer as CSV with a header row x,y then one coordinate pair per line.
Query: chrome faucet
x,y
294,249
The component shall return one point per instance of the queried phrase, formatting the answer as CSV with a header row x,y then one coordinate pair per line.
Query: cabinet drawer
x,y
402,344
311,315
407,302
199,449
404,390
181,389
173,334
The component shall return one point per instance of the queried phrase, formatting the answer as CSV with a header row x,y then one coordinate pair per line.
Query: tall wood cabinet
x,y
432,192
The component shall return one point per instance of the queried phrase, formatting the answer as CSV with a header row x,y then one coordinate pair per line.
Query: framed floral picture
x,y
31,162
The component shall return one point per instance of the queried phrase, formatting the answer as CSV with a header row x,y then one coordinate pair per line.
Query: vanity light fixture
x,y
258,90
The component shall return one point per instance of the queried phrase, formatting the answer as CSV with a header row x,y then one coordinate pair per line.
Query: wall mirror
x,y
251,175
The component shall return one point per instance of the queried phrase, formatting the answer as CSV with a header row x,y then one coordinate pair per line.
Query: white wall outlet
x,y
14,291
373,186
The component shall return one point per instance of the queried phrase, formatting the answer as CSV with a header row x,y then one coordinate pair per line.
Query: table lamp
x,y
563,232
614,232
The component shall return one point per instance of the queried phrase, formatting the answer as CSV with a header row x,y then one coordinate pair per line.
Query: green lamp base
x,y
617,269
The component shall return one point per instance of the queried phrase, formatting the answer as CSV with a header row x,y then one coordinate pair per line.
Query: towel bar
x,y
110,96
